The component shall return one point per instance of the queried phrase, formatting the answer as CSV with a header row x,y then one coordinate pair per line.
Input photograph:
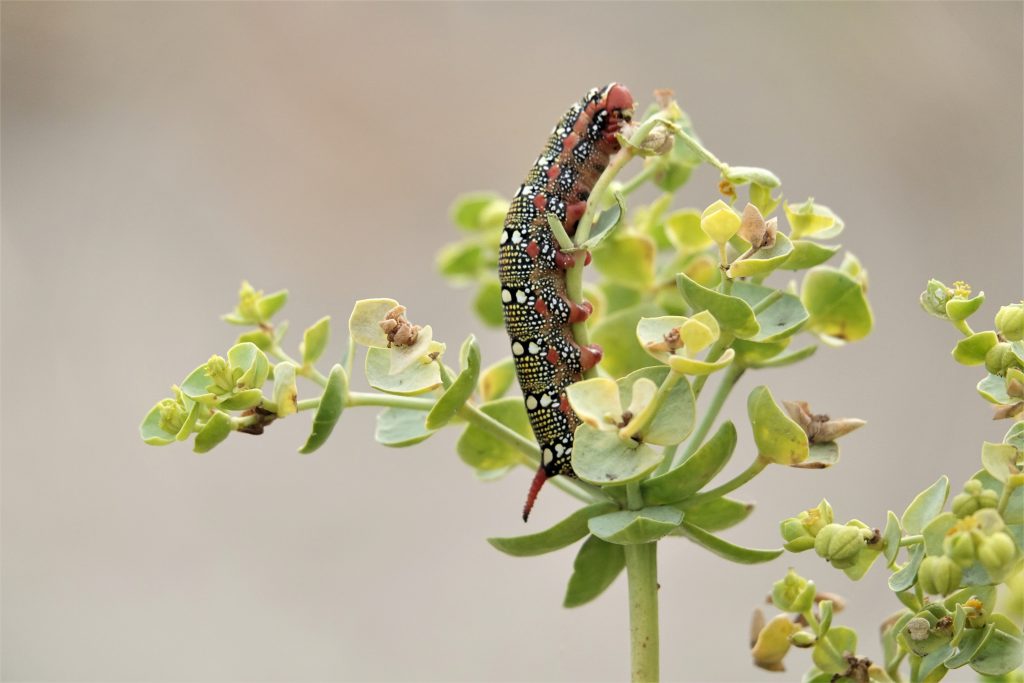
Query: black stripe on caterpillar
x,y
531,267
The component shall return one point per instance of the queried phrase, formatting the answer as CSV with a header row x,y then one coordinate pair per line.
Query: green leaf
x,y
478,210
597,565
999,654
741,175
780,320
812,220
286,394
992,389
838,309
565,533
692,474
213,432
905,577
496,379
632,527
892,535
764,261
596,401
617,336
786,358
1015,436
400,427
458,393
418,378
602,458
683,231
270,304
968,646
464,261
606,223
403,357
242,400
821,455
733,553
484,451
674,419
332,403
150,429
253,364
314,340
364,323
971,350
732,313
778,438
487,303
751,353
807,254
627,259
830,658
865,558
999,460
925,507
717,514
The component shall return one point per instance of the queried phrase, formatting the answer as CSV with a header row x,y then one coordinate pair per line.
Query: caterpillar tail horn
x,y
531,497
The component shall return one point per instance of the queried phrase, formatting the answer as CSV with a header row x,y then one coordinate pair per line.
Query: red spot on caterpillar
x,y
590,356
533,249
569,142
587,261
563,404
573,213
540,201
564,261
531,497
540,306
552,355
553,171
580,312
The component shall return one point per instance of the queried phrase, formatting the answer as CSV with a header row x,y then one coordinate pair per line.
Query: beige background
x,y
156,154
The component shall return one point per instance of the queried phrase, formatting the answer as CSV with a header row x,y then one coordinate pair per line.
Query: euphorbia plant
x,y
683,298
949,567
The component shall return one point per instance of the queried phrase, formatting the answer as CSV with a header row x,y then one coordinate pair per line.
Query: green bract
x,y
839,311
812,220
778,438
719,222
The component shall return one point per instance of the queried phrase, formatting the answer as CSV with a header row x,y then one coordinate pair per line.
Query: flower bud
x,y
720,222
773,643
934,298
172,415
796,536
960,548
793,593
939,575
839,544
988,499
1000,358
219,372
964,504
972,486
803,639
1010,322
997,554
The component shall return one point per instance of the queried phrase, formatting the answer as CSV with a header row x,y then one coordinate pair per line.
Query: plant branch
x,y
729,379
642,574
739,480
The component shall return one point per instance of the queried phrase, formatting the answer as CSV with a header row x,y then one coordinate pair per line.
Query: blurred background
x,y
154,155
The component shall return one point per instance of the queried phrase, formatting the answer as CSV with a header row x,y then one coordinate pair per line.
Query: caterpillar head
x,y
619,104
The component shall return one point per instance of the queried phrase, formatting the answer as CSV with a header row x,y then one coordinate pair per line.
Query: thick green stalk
x,y
642,573
739,480
729,379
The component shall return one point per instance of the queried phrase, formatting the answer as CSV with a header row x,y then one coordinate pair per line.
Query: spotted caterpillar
x,y
538,312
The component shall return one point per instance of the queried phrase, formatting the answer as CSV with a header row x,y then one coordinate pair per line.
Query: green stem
x,y
1004,498
308,404
729,379
642,574
702,151
358,398
911,540
639,179
306,371
764,303
964,328
733,484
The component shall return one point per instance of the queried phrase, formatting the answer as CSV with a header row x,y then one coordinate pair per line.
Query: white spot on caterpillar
x,y
517,237
548,455
545,400
520,297
531,402
560,449
506,296
517,349
504,236
533,349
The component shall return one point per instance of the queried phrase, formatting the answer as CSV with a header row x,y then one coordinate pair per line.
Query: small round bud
x,y
1010,322
972,486
803,639
960,548
988,499
997,554
1000,358
918,628
839,544
793,593
796,536
965,504
939,575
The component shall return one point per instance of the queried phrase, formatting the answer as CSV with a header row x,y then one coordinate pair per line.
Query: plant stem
x,y
729,379
358,398
731,485
639,179
642,573
309,372
911,540
702,151
764,303
1004,498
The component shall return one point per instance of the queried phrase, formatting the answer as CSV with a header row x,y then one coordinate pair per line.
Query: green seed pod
x,y
803,639
839,544
997,554
972,486
796,536
1010,322
964,504
1000,358
988,499
960,548
939,575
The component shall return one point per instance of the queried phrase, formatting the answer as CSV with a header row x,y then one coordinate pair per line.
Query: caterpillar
x,y
531,267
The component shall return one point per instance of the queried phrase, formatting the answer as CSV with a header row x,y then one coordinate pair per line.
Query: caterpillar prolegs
x,y
538,312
